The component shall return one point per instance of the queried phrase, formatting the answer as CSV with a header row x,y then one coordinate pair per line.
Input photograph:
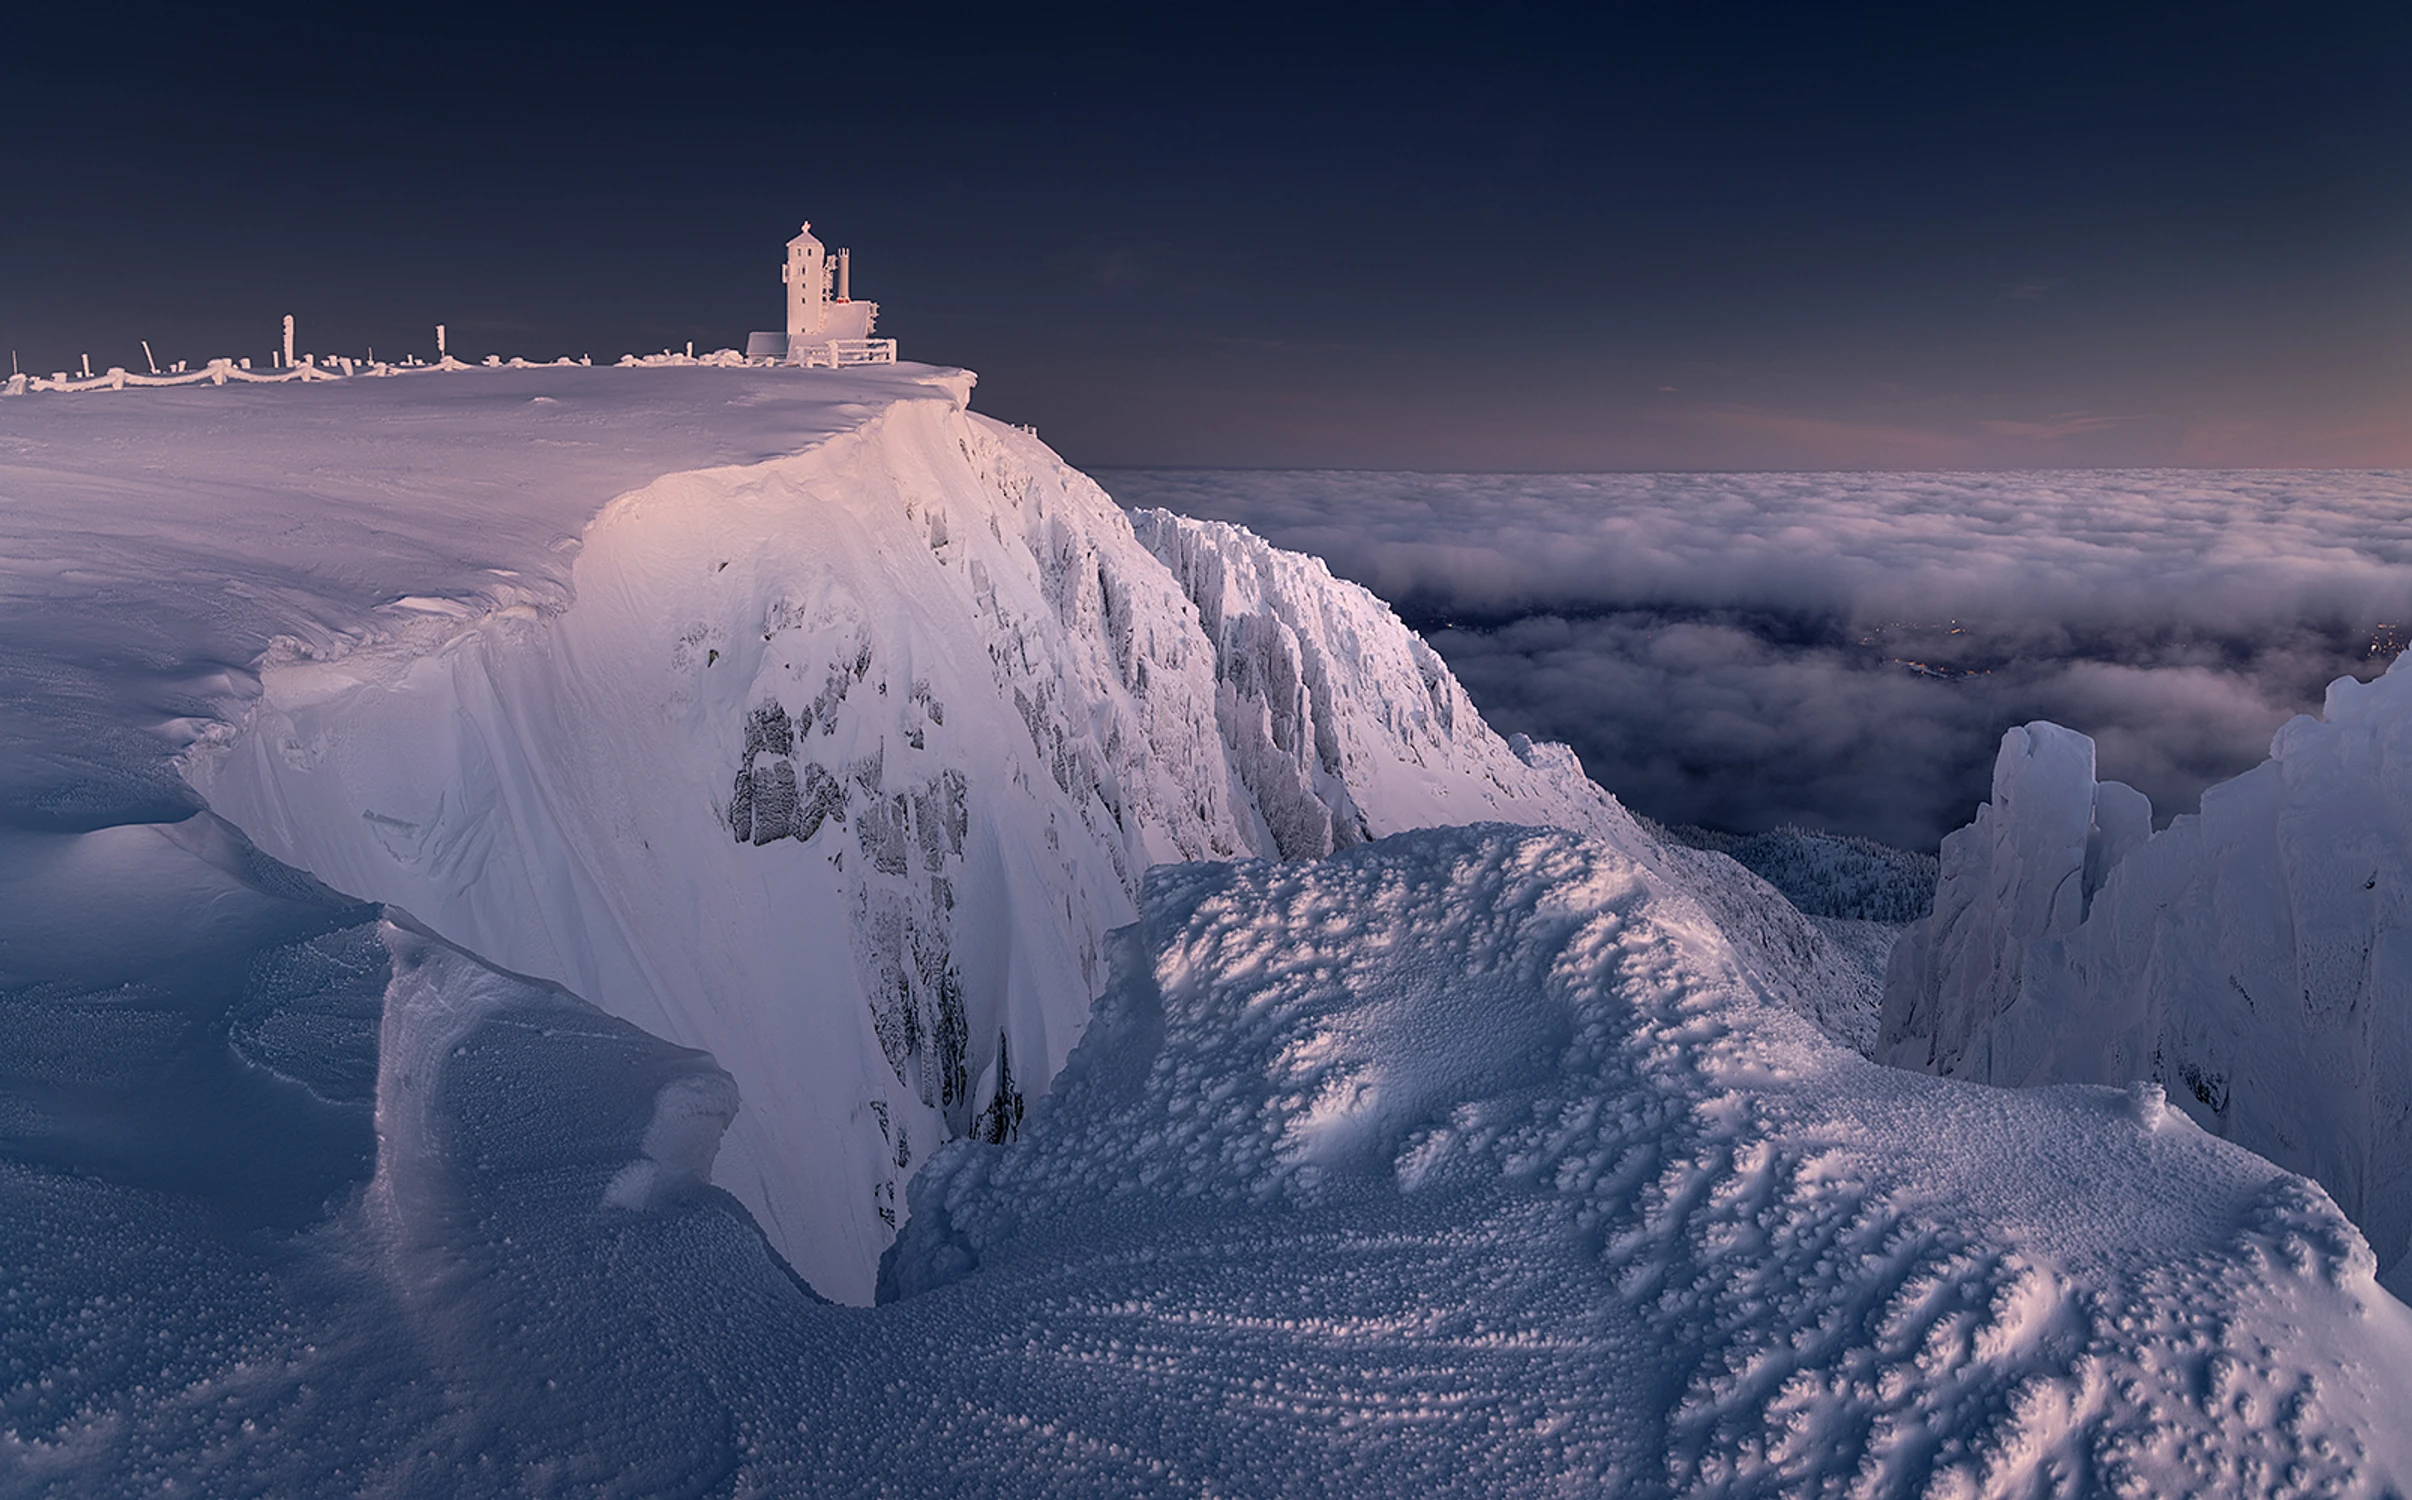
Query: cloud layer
x,y
1844,650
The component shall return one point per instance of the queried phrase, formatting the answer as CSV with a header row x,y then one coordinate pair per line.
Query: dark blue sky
x,y
1700,236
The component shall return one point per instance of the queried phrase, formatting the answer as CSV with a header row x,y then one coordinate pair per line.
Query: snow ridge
x,y
1349,723
911,711
1718,1253
1341,723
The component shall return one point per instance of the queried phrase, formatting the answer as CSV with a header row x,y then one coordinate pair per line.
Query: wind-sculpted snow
x,y
233,1296
840,764
1321,1105
1343,725
1462,1162
2253,958
158,542
827,770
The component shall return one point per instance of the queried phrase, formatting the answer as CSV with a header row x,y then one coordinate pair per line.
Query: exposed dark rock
x,y
1001,1121
821,798
767,732
774,799
741,805
880,827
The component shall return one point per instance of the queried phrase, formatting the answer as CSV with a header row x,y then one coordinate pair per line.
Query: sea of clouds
x,y
1843,651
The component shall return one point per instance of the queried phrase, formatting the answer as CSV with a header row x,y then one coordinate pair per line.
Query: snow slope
x,y
801,717
1463,1162
1716,1251
159,541
2256,958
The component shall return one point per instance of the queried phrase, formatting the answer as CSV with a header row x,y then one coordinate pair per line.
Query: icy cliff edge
x,y
840,766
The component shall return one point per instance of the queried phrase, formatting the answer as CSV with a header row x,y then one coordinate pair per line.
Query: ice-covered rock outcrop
x,y
798,716
2255,958
1342,725
2023,874
840,765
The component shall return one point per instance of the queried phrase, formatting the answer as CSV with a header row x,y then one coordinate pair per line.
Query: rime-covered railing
x,y
837,353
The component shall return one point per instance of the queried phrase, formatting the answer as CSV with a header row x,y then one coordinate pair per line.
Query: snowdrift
x,y
2255,958
1465,1161
1485,1132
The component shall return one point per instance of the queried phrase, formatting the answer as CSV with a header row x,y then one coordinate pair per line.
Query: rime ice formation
x,y
2024,873
833,745
839,767
2256,958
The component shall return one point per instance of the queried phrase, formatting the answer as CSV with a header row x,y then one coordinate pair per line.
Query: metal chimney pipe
x,y
844,257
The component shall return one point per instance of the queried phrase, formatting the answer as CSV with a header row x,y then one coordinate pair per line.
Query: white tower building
x,y
822,329
807,277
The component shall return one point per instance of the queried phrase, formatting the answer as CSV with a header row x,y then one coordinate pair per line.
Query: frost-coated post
x,y
439,343
843,280
87,367
147,357
288,341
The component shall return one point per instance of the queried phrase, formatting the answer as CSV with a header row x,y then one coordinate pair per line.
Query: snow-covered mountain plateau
x,y
832,746
517,884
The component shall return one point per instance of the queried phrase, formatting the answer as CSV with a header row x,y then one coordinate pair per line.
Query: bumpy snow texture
x,y
2254,958
827,761
1464,1162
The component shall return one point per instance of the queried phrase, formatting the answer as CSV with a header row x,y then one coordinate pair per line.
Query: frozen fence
x,y
833,355
838,353
221,371
216,372
863,351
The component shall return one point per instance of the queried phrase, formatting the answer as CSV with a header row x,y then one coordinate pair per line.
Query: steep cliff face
x,y
2255,958
1342,725
841,765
